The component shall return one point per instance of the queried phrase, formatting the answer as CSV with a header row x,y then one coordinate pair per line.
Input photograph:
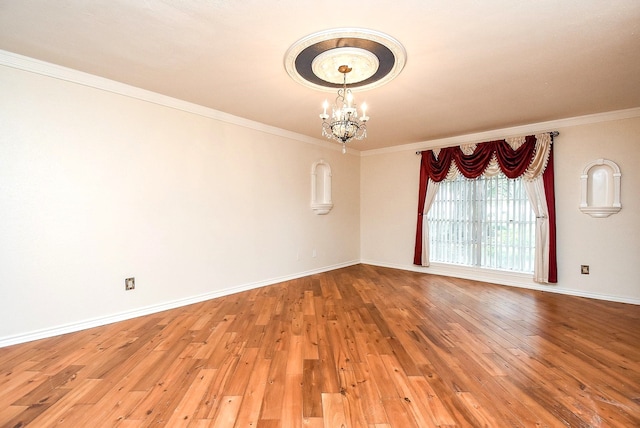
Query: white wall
x,y
611,246
96,187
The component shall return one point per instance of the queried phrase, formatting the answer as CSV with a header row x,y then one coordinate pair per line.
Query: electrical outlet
x,y
129,283
584,269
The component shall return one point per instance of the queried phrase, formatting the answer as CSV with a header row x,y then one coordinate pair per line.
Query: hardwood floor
x,y
357,347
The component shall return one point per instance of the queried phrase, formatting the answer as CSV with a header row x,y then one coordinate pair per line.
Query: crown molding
x,y
24,63
21,62
514,131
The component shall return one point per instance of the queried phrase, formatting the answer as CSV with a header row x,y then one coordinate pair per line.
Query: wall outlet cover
x,y
129,283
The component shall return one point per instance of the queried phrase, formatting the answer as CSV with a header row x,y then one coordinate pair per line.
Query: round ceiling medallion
x,y
375,59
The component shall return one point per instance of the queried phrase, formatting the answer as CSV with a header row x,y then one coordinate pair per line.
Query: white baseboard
x,y
484,275
502,278
148,310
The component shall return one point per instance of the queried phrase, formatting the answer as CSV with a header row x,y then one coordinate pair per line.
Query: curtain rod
x,y
553,134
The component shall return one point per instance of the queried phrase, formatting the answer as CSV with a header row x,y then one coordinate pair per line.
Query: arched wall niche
x,y
321,202
600,188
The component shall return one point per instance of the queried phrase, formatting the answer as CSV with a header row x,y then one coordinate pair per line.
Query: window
x,y
486,222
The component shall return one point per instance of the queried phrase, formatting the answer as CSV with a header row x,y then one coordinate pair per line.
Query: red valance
x,y
513,163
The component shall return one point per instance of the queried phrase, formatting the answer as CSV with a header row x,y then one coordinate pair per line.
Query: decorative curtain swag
x,y
515,157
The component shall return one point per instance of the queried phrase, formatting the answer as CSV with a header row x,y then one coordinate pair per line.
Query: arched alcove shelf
x,y
600,195
321,188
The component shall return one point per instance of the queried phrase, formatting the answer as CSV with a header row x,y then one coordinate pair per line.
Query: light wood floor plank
x,y
362,346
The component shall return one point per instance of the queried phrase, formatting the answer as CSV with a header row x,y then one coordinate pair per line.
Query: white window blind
x,y
487,222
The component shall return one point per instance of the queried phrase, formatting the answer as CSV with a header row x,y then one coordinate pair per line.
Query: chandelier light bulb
x,y
325,104
364,117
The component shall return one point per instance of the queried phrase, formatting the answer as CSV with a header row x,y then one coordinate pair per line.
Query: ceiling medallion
x,y
374,57
322,61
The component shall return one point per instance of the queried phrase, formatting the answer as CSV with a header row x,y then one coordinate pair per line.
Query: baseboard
x,y
502,278
484,275
148,310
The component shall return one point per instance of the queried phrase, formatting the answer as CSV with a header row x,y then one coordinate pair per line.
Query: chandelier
x,y
343,124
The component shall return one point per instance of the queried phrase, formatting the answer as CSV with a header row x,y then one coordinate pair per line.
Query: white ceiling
x,y
472,65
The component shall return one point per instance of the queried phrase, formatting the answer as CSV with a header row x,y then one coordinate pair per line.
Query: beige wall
x,y
611,246
96,187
